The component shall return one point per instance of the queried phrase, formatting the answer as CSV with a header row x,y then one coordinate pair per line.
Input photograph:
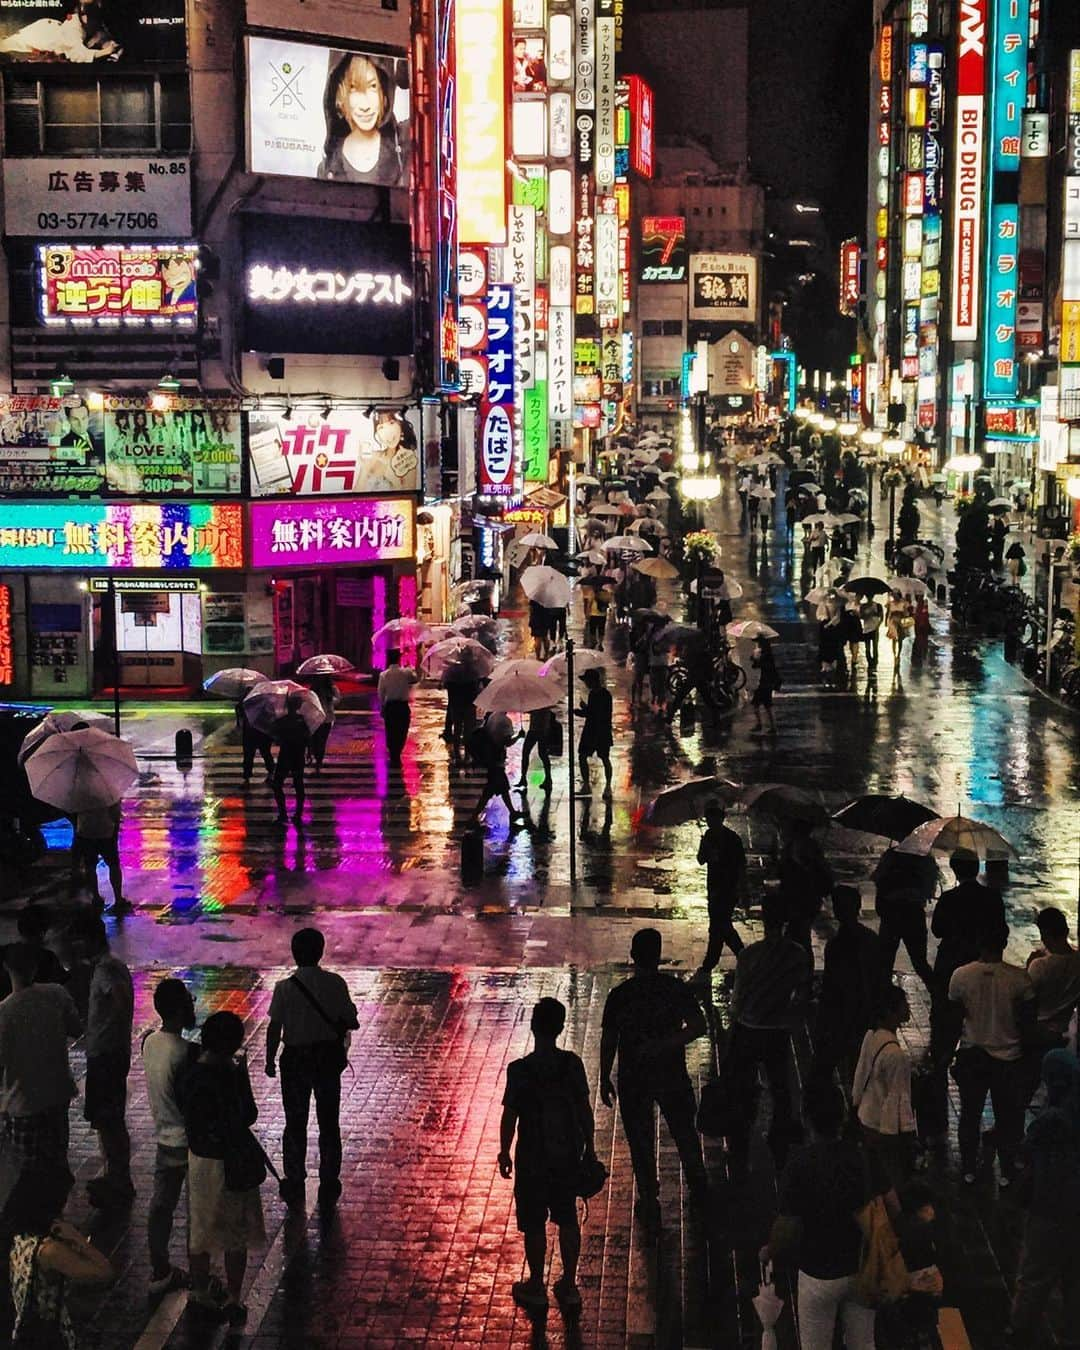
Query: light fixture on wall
x,y
327,410
169,383
61,384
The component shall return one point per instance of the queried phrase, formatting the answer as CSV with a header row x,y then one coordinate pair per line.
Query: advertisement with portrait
x,y
723,286
530,65
50,447
172,447
118,283
327,286
328,112
85,32
315,452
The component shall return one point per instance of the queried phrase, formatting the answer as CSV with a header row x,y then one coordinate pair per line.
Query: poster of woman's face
x,y
321,112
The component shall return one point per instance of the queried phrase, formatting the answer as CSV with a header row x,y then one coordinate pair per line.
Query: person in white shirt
x,y
166,1055
998,1001
1054,972
395,691
881,1090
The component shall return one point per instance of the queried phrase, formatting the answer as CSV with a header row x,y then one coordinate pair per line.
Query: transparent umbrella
x,y
583,660
768,1305
546,586
627,543
406,631
750,628
233,683
325,664
519,693
521,665
81,770
55,722
537,540
952,834
458,660
268,703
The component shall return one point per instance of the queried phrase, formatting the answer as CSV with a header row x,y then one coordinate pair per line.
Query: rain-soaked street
x,y
423,1248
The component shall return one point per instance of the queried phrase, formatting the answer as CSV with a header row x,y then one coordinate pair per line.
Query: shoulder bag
x,y
332,1056
882,1275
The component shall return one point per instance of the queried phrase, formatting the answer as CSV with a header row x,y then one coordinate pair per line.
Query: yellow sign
x,y
1074,81
1070,332
480,50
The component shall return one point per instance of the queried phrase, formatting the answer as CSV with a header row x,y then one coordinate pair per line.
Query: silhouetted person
x,y
395,691
648,1021
97,835
293,737
253,743
491,741
850,986
721,851
313,1012
904,883
805,880
32,925
547,1104
596,732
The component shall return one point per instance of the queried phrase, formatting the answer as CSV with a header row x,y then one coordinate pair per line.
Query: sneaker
x,y
529,1295
568,1295
174,1278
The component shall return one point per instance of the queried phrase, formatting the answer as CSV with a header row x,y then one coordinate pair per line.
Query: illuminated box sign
x,y
560,362
183,448
7,646
50,447
330,113
58,32
94,198
918,63
318,533
608,294
913,194
723,286
999,359
535,433
121,535
351,450
327,286
495,424
605,103
641,127
850,281
481,62
446,212
144,585
968,170
585,34
1011,25
118,285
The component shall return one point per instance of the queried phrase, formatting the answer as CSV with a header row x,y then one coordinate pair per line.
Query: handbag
x,y
331,1056
555,738
591,1177
246,1163
882,1276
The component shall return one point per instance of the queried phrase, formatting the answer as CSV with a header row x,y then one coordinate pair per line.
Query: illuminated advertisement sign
x,y
480,41
50,447
535,432
585,33
1011,25
321,533
148,198
59,32
519,271
850,282
118,285
999,359
99,534
723,286
642,159
321,112
560,363
7,646
495,425
446,211
171,447
307,454
605,103
608,293
584,251
968,170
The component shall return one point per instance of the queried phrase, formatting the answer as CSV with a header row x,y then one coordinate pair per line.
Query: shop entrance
x,y
146,633
327,612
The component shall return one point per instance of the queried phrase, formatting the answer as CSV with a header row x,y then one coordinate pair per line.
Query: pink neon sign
x,y
314,531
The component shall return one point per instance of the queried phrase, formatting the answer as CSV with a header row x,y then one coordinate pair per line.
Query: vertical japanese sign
x,y
7,645
480,54
1002,285
560,363
967,203
608,291
534,420
605,103
519,271
1011,26
585,66
850,283
446,223
641,126
496,422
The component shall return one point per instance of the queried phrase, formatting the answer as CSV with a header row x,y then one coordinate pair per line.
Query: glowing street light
x,y
871,437
892,446
847,428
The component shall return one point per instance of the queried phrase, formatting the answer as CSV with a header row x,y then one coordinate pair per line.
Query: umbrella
x,y
53,723
762,492
593,555
458,660
869,586
909,586
325,664
536,540
604,509
811,489
647,525
750,628
668,477
266,704
649,471
999,504
586,480
819,595
522,665
891,817
519,693
546,586
768,1305
846,518
949,834
930,553
1016,551
627,543
232,684
686,801
657,494
816,518
583,660
659,568
401,631
81,770
471,624
785,802
681,636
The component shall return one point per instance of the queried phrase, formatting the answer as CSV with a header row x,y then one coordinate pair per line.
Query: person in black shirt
x,y
647,1022
722,852
850,987
293,737
596,734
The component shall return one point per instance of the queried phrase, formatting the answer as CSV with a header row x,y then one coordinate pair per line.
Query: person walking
x,y
772,982
110,1010
648,1021
539,630
219,1110
329,696
596,732
921,627
997,1002
312,1012
394,694
547,1105
659,663
253,743
850,988
97,835
768,683
721,852
36,1023
898,624
495,736
293,739
541,722
871,617
166,1057
881,1088
460,714
805,879
1054,972
904,883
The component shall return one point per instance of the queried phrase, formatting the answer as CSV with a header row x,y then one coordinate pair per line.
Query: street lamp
x,y
870,439
965,464
893,478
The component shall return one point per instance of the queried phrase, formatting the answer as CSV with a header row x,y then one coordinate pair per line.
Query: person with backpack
x,y
648,1021
546,1104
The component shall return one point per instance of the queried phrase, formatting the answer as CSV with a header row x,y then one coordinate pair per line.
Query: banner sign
x,y
968,170
446,299
663,249
50,447
60,32
641,127
321,112
93,198
1011,27
307,454
850,276
723,286
317,533
495,426
116,284
188,448
999,359
535,433
482,150
560,363
605,103
122,535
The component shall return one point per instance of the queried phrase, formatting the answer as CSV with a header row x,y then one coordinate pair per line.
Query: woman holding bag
x,y
224,1164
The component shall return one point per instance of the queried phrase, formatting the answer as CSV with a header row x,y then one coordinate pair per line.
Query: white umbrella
x,y
546,586
586,480
604,509
646,454
627,543
750,628
583,660
909,585
762,492
458,659
768,1305
471,624
407,630
81,770
521,665
819,595
519,693
846,518
668,477
55,722
659,568
657,494
647,525
816,518
593,555
950,834
536,540
268,703
326,664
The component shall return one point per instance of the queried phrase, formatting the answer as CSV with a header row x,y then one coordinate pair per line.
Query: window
x,y
86,115
672,327
652,328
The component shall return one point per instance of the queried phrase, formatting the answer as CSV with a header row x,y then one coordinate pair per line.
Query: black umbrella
x,y
1017,551
869,586
891,817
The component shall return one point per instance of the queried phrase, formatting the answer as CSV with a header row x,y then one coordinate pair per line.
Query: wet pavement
x,y
424,1249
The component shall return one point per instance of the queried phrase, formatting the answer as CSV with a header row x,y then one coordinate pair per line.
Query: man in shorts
x,y
547,1103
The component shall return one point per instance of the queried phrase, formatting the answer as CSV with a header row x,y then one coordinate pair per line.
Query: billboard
x,y
177,535
50,447
446,209
182,448
111,31
641,126
968,169
118,284
317,533
663,249
495,424
327,112
327,286
299,452
149,198
1011,26
850,276
480,56
723,286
